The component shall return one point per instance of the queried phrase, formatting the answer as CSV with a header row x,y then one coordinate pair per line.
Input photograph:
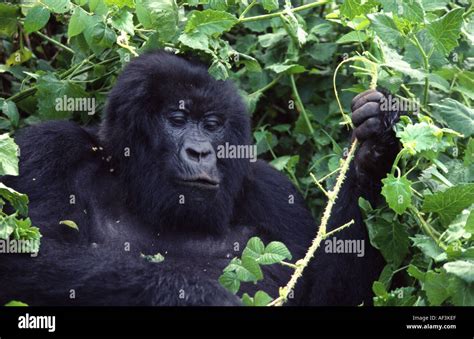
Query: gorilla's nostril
x,y
193,154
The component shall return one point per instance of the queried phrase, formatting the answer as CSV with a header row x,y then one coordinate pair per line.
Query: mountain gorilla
x,y
149,180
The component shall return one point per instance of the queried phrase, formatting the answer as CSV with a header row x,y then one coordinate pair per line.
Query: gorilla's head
x,y
165,119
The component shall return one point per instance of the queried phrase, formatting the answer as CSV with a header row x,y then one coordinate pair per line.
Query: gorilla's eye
x,y
211,123
177,118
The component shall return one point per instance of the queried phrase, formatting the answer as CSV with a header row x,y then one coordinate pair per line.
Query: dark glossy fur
x,y
130,201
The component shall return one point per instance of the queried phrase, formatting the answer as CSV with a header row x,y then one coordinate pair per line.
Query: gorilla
x,y
149,180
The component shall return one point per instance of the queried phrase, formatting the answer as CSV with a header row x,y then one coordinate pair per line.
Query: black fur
x,y
121,179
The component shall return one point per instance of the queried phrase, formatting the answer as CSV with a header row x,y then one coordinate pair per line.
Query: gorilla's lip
x,y
200,181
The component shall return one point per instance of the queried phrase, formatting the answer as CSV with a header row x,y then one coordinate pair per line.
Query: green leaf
x,y
11,111
461,268
195,40
391,238
288,69
280,162
470,223
354,36
427,245
449,203
121,3
156,258
49,94
98,7
275,248
8,225
255,248
434,5
456,115
36,18
386,28
247,300
379,289
415,272
20,56
78,22
230,281
261,299
408,10
353,8
70,224
8,155
436,287
270,5
100,35
394,60
462,293
218,70
251,265
161,16
397,192
445,30
210,22
58,6
123,21
16,303
8,19
419,137
18,200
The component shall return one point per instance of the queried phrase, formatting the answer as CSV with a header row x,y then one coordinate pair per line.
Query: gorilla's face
x,y
173,116
195,137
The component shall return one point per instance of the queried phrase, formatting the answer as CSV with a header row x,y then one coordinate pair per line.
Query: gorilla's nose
x,y
200,152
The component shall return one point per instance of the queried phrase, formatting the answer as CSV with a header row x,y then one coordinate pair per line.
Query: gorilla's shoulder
x,y
54,146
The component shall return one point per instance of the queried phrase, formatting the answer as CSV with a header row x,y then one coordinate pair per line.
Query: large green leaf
x,y
445,30
161,16
8,155
456,115
390,237
436,287
8,19
18,200
58,6
78,22
419,137
210,22
449,203
461,268
397,192
386,28
36,18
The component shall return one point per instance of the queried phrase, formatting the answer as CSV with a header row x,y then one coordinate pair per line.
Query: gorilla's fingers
x,y
365,112
369,128
367,96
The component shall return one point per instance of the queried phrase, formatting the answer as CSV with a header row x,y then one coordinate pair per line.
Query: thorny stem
x,y
301,264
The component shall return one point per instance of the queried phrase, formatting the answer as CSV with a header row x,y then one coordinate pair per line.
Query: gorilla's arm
x,y
104,275
333,278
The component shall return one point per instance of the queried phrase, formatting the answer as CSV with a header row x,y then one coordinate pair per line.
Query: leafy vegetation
x,y
284,58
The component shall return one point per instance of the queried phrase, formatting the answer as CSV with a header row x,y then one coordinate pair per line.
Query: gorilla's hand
x,y
373,123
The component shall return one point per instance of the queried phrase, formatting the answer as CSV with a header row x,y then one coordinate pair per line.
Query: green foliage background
x,y
283,56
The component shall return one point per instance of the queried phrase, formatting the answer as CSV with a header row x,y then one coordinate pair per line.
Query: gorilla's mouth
x,y
201,181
